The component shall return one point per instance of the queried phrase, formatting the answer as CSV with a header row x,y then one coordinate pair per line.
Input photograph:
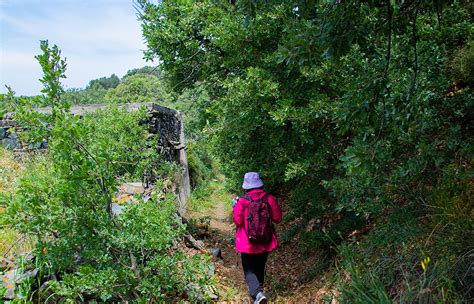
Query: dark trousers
x,y
254,271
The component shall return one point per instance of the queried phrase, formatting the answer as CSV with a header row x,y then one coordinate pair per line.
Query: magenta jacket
x,y
242,243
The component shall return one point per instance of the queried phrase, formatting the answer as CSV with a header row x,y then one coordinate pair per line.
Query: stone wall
x,y
164,121
168,123
9,139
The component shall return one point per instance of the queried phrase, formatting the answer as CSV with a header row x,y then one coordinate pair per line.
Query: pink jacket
x,y
242,243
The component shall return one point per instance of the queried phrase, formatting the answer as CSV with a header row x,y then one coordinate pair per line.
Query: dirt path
x,y
220,218
289,275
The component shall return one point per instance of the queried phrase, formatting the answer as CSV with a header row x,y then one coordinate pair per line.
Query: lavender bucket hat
x,y
252,180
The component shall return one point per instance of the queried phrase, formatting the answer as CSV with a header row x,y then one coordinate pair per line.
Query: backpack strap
x,y
246,197
264,198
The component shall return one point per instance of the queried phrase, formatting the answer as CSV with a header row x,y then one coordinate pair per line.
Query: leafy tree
x,y
104,82
90,95
296,92
139,88
147,70
350,107
94,92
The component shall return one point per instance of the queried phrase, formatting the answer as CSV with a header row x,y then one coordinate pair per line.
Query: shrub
x,y
64,201
462,65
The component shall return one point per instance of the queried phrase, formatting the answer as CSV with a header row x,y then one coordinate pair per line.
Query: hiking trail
x,y
290,274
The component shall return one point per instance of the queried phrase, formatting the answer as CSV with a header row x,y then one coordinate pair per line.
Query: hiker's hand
x,y
234,201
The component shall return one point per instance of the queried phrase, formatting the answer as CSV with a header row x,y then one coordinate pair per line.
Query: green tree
x,y
94,92
90,95
147,70
296,92
139,88
351,108
105,82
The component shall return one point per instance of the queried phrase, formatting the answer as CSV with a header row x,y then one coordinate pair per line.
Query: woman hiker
x,y
254,215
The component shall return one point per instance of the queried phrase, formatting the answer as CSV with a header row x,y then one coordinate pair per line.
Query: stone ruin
x,y
166,122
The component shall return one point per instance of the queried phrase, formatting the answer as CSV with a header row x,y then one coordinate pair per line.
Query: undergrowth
x,y
420,252
83,251
11,243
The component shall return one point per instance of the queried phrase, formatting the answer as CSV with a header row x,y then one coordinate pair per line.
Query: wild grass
x,y
208,195
11,169
418,253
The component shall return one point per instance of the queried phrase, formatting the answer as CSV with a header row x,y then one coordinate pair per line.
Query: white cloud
x,y
97,37
20,70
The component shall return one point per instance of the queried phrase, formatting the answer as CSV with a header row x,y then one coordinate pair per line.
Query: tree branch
x,y
415,60
101,183
387,66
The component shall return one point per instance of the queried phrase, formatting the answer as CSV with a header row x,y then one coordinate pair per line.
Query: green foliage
x,y
3,109
144,88
138,85
53,70
64,201
104,82
94,92
365,288
90,95
200,165
463,64
347,106
192,103
147,70
139,88
388,260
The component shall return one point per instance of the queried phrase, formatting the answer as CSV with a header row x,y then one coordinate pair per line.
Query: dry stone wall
x,y
168,123
8,137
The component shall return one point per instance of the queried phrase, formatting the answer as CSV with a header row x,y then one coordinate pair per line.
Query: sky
x,y
97,37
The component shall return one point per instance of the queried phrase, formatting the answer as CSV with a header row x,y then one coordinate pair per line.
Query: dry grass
x,y
11,169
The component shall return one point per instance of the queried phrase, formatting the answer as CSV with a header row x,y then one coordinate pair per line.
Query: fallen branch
x,y
191,241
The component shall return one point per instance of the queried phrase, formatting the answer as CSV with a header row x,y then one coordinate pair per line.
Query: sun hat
x,y
252,180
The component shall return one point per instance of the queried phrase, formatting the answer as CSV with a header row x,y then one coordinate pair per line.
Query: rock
x,y
47,293
6,263
35,146
8,123
117,209
146,196
216,252
26,257
10,293
212,270
11,142
11,278
132,188
3,133
28,274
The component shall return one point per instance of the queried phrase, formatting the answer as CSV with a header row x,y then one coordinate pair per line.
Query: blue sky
x,y
97,37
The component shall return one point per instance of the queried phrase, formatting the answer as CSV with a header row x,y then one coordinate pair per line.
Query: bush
x,y
200,166
462,65
347,107
64,201
414,254
90,251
